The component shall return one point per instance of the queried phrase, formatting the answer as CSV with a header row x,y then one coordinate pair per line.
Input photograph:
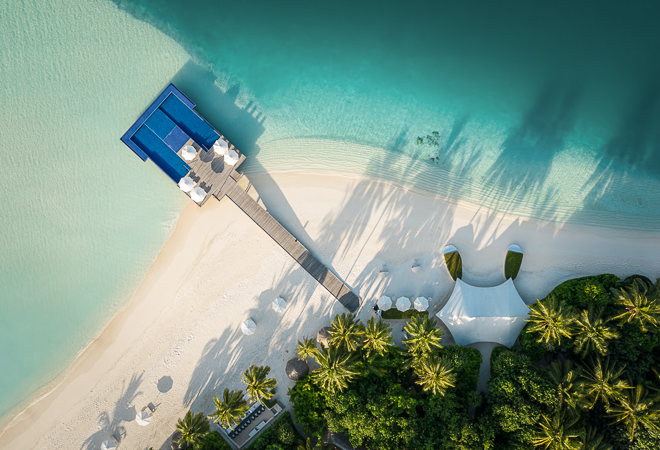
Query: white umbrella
x,y
198,194
188,152
220,147
143,418
108,444
279,305
186,184
403,303
384,303
248,327
421,303
231,157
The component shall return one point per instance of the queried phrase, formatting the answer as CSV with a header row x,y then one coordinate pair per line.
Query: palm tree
x,y
377,336
635,410
423,337
193,429
308,445
592,333
600,381
231,409
557,433
372,363
346,330
552,320
259,388
337,369
565,376
640,302
307,349
590,439
435,374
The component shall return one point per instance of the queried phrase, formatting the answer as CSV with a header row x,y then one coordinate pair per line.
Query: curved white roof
x,y
492,314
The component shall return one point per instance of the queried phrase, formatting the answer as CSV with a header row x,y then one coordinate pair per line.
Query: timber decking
x,y
210,171
290,244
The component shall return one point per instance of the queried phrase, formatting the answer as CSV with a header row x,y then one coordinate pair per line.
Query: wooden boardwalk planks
x,y
290,244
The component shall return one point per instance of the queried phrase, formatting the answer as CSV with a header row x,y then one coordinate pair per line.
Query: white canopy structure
x,y
248,327
188,152
384,303
143,418
421,304
279,305
494,314
186,184
403,303
220,147
231,157
109,444
198,194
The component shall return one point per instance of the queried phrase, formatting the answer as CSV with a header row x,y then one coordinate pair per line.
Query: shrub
x,y
580,292
214,441
281,435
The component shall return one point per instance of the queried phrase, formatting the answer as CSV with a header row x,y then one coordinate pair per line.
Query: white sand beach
x,y
177,342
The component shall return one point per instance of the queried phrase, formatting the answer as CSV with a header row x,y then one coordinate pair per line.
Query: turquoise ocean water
x,y
549,109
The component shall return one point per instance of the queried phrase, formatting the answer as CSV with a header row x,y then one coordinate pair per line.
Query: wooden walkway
x,y
290,244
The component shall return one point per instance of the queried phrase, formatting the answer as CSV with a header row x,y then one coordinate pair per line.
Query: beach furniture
x,y
198,194
453,261
186,184
403,304
512,262
143,417
384,303
232,157
109,444
415,268
248,327
383,271
188,152
421,304
220,147
279,305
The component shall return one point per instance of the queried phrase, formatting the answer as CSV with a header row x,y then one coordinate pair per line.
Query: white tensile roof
x,y
493,314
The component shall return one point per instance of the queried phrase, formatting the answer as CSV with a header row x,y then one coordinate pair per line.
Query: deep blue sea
x,y
547,109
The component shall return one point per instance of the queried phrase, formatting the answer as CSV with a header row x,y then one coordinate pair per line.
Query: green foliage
x,y
466,362
551,321
424,337
307,349
585,291
214,441
308,404
193,429
346,331
512,264
259,387
279,435
395,314
230,409
518,396
454,265
377,336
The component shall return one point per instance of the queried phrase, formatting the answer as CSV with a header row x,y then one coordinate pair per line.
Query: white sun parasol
x,y
279,305
186,184
403,303
421,303
248,327
220,147
198,194
143,418
384,303
231,157
188,152
108,444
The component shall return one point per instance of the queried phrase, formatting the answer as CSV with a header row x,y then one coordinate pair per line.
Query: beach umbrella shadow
x,y
165,384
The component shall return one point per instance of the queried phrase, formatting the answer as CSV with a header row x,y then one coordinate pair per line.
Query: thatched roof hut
x,y
296,369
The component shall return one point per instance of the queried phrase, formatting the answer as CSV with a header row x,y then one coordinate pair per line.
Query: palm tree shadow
x,y
110,423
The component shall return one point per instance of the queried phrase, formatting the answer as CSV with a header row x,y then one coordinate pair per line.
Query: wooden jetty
x,y
169,125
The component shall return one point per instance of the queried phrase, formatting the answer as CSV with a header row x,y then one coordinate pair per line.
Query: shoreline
x,y
360,225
